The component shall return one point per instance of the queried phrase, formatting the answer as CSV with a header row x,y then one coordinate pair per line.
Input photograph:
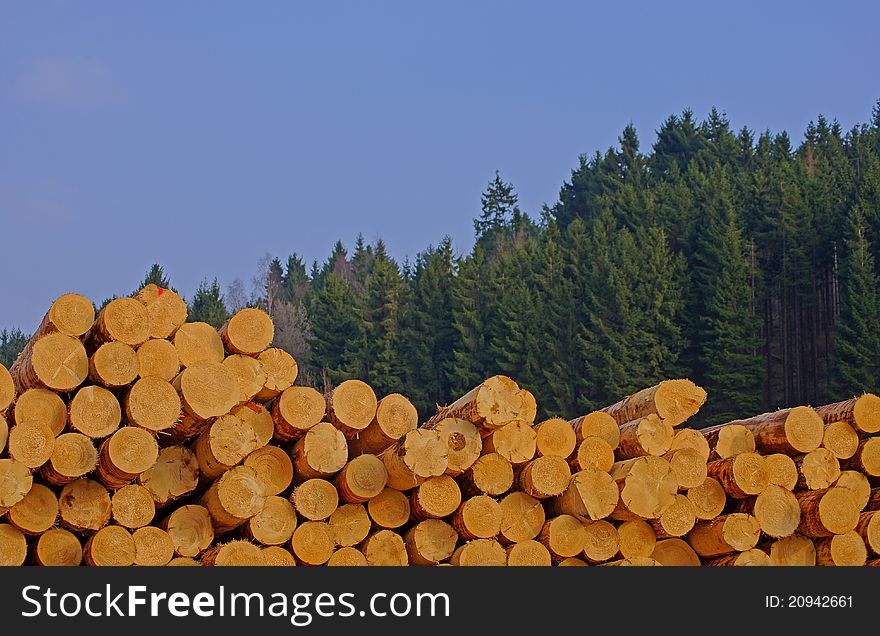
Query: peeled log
x,y
198,342
463,444
31,444
564,536
84,505
776,509
597,424
152,547
190,530
248,332
234,553
846,549
554,437
478,518
645,436
13,546
790,431
281,371
869,530
781,470
479,552
350,524
796,550
153,404
296,411
41,405
95,411
429,542
860,487
7,389
347,557
677,520
250,373
384,548
672,400
207,390
708,499
70,314
545,477
489,406
692,439
728,440
114,365
636,539
174,475
516,442
223,445
121,320
491,475
741,476
591,495
675,552
274,524
647,486
735,532
361,479
435,498
234,498
593,452
389,509
395,417
322,452
688,466
166,309
817,469
351,407
866,459
602,541
862,413
826,512
55,362
753,557
315,499
273,467
522,518
841,439
129,452
532,554
419,455
158,358
58,547
36,513
73,456
132,506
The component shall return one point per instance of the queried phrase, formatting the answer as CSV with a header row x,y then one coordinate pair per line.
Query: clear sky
x,y
204,134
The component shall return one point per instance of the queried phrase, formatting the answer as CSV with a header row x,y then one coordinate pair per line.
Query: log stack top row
x,y
132,437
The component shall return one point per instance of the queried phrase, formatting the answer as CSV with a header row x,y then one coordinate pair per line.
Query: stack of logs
x,y
133,437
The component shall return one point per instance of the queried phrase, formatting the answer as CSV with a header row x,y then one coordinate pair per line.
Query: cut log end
x,y
95,411
847,549
321,452
31,444
597,424
84,505
350,524
158,358
208,389
841,439
167,310
153,404
198,342
429,542
234,553
313,543
602,541
110,546
545,477
352,406
647,487
15,482
174,475
122,320
636,539
554,437
315,499
591,495
281,372
190,530
362,478
389,509
796,550
563,536
463,444
36,513
13,546
709,499
55,362
347,557
248,332
296,411
478,518
522,517
817,469
858,484
129,452
274,524
825,512
436,497
58,547
70,314
114,365
516,442
781,470
491,474
677,519
531,553
688,466
480,552
276,556
419,455
132,506
7,389
594,452
234,498
646,436
250,373
675,552
385,548
41,405
152,546
273,467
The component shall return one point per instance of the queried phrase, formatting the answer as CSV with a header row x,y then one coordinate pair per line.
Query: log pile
x,y
132,437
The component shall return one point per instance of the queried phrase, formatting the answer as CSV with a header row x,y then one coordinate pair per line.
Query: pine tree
x,y
728,363
857,351
207,305
428,329
336,328
156,276
12,341
376,360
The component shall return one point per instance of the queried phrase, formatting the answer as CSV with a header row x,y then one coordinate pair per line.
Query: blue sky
x,y
204,134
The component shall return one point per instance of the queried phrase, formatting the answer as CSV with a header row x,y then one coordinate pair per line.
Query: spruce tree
x,y
207,305
498,209
470,317
12,341
857,348
156,276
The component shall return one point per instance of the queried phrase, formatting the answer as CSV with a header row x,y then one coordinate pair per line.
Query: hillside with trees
x,y
743,261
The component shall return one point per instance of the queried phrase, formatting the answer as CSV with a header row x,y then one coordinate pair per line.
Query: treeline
x,y
739,260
